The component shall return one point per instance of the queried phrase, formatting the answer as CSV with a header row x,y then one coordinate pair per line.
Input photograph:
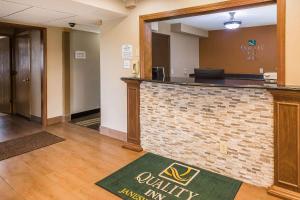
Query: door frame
x,y
10,43
43,67
146,36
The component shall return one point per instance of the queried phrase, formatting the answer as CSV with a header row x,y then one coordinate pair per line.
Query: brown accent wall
x,y
222,50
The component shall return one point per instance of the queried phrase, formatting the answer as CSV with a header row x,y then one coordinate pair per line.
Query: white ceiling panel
x,y
8,8
59,13
82,23
259,16
68,6
38,15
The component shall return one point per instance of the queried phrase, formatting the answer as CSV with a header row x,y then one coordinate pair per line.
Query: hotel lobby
x,y
149,100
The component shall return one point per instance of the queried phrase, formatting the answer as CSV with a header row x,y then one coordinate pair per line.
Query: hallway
x,y
90,121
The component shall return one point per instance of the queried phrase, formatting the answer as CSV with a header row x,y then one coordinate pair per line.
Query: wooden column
x,y
287,144
133,115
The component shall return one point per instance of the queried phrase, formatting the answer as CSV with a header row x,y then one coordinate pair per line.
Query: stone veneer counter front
x,y
188,123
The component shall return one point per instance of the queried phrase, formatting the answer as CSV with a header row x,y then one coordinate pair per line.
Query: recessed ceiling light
x,y
232,23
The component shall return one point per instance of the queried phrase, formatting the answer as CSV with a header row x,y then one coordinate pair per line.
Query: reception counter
x,y
244,129
229,82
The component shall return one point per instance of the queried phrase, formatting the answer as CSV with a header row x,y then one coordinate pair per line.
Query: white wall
x,y
85,73
36,65
113,90
184,51
292,42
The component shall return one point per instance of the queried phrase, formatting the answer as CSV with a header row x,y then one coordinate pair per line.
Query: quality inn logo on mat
x,y
179,173
153,177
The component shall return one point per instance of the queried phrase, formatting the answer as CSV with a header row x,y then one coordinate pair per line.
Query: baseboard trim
x,y
67,118
85,113
283,193
36,119
119,135
54,120
22,116
132,147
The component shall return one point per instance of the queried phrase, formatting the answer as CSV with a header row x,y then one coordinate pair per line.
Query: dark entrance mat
x,y
153,177
26,144
92,122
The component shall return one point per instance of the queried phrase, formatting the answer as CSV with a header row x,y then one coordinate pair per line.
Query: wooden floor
x,y
68,170
13,127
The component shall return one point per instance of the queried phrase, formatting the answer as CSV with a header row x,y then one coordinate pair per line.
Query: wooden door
x,y
5,88
161,52
23,65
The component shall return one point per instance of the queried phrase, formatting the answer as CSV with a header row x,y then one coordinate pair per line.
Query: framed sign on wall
x,y
80,55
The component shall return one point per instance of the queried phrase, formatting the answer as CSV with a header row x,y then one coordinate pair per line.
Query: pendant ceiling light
x,y
232,23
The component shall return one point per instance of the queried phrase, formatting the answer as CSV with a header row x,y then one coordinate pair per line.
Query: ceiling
x,y
60,12
258,16
87,14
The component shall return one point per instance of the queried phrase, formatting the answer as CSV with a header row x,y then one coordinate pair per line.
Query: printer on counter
x,y
270,77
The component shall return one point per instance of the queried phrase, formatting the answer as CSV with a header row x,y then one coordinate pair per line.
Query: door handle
x,y
26,80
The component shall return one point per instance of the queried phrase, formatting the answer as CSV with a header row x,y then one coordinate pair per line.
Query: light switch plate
x,y
261,70
223,148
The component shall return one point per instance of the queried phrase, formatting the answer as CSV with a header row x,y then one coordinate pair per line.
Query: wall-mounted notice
x,y
80,55
127,51
126,64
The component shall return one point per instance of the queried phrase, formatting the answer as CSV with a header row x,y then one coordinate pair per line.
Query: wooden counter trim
x,y
286,144
283,193
133,116
146,50
281,28
205,9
